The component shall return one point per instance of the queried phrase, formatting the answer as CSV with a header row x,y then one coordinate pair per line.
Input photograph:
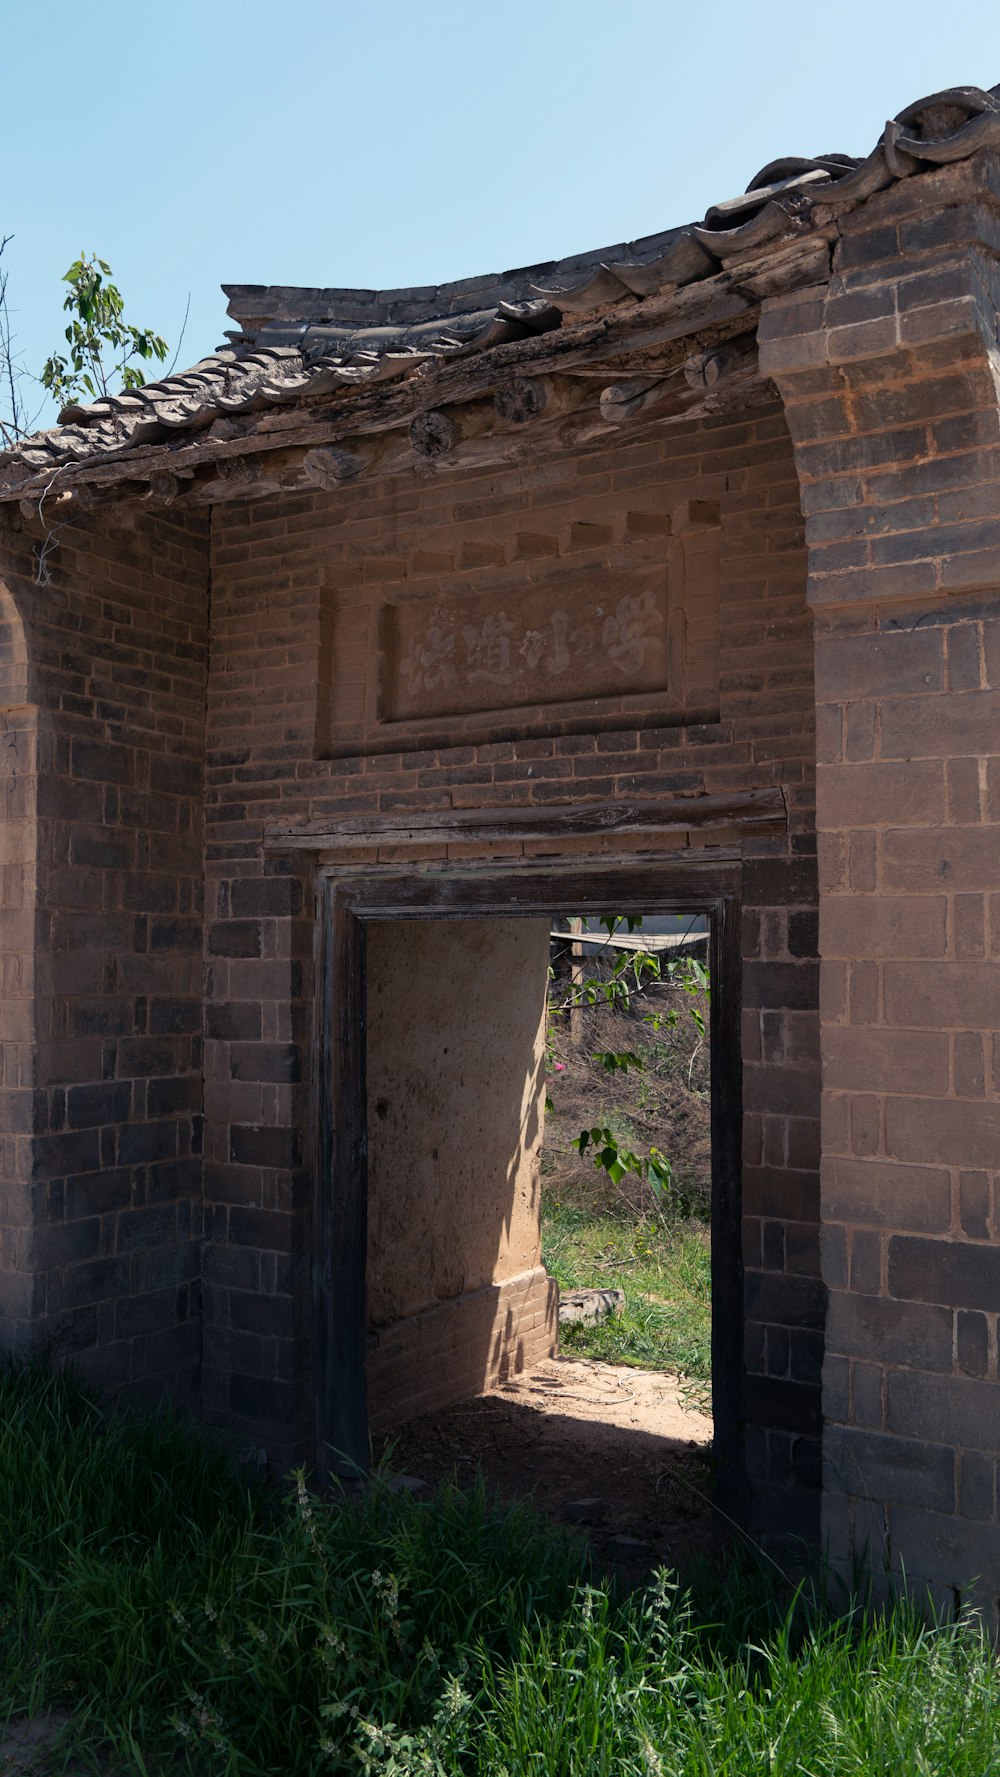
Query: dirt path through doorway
x,y
613,1449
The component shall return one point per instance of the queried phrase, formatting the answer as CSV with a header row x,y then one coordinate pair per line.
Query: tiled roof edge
x,y
299,342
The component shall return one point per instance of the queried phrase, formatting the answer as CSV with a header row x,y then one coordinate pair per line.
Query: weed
x,y
191,1623
665,1271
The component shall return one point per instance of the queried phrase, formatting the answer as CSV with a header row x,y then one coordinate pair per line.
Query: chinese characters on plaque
x,y
543,644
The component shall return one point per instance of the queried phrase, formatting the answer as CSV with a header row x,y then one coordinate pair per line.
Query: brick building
x,y
664,577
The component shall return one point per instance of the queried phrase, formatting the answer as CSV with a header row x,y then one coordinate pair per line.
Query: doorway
x,y
371,910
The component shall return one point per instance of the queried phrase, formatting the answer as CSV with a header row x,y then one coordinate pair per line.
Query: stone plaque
x,y
602,633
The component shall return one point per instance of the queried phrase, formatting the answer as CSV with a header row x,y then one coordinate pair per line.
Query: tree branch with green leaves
x,y
632,974
106,352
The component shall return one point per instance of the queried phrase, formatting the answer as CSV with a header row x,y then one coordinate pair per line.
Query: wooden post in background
x,y
575,924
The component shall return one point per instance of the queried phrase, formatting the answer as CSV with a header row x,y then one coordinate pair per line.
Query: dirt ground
x,y
609,1448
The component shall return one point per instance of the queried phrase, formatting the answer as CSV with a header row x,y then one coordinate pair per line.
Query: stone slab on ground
x,y
584,1307
29,1747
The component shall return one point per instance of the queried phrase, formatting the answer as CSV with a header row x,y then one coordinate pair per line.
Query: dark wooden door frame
x,y
349,900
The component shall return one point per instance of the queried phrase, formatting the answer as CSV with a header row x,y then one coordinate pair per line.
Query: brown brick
x,y
969,1065
866,1125
963,658
963,860
969,925
935,726
862,861
944,1271
883,1061
974,1204
888,1332
880,1194
882,1467
972,1343
964,791
867,1385
942,1410
977,1489
940,995
903,795
954,1132
884,925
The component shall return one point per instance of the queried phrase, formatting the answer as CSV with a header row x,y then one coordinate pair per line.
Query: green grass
x,y
665,1271
178,1612
193,1625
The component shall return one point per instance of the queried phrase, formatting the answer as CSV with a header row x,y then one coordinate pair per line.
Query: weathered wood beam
x,y
701,383
627,400
523,398
434,434
475,443
748,808
437,441
715,370
329,466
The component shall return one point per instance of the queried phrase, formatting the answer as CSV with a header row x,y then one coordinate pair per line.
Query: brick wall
x,y
18,849
101,1151
890,391
295,583
102,1205
888,441
461,1347
910,937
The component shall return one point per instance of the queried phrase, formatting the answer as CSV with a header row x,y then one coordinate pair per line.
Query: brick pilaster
x,y
888,375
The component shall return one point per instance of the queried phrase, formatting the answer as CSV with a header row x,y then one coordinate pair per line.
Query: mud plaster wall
x,y
456,1042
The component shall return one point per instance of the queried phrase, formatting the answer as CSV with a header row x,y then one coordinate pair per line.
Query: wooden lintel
x,y
756,809
470,439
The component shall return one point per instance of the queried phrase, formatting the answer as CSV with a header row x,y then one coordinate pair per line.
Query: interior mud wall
x,y
456,1050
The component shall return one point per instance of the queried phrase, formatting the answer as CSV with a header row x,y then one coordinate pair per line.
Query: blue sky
x,y
384,143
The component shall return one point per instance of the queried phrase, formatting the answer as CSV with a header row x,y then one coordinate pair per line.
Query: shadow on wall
x,y
456,1083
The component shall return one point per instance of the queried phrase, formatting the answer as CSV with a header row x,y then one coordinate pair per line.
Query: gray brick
x,y
945,1409
944,1271
889,1332
878,1466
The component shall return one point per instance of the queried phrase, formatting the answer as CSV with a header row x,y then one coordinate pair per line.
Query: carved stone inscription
x,y
601,633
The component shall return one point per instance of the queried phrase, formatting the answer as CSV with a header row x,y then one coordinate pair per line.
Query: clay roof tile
x,y
302,342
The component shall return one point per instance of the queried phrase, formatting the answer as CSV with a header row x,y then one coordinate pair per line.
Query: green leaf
x,y
619,1061
98,333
